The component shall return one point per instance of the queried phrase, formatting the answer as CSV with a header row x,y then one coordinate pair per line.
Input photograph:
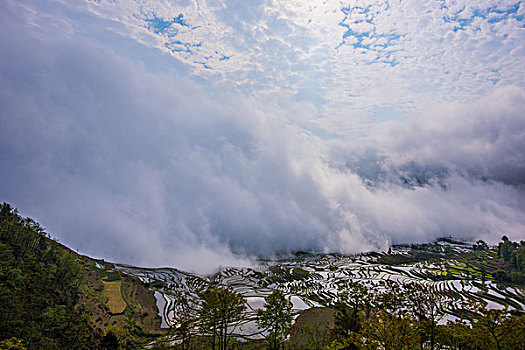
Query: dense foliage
x,y
412,316
39,283
276,317
513,254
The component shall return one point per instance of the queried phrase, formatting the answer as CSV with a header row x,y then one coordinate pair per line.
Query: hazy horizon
x,y
195,134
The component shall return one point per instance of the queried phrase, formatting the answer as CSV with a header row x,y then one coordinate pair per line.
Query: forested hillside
x,y
53,298
39,284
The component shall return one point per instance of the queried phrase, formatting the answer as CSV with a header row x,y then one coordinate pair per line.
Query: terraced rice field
x,y
115,302
312,281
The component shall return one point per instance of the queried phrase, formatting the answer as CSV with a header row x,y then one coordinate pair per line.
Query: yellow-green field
x,y
115,302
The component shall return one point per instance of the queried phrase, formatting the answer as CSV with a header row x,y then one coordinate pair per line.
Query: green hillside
x,y
53,298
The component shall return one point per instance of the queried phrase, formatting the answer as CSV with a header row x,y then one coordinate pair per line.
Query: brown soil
x,y
312,329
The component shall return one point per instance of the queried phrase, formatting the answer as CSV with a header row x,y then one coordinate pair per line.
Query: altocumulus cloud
x,y
126,155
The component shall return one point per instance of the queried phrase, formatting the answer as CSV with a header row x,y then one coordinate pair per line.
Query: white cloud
x,y
127,153
446,50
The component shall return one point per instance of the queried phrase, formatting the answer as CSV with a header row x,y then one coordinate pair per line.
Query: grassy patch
x,y
115,302
110,275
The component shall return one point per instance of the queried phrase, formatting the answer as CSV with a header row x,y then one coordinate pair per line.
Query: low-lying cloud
x,y
131,162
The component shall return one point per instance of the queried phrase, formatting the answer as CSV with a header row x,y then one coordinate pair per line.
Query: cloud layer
x,y
133,154
340,54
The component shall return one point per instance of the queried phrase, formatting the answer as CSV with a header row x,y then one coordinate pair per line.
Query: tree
x,y
491,322
346,319
276,317
457,335
481,328
500,275
356,295
222,311
353,298
518,258
39,288
386,332
391,299
515,333
12,344
185,317
426,306
506,249
481,245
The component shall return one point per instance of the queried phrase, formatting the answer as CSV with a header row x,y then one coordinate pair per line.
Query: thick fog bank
x,y
140,165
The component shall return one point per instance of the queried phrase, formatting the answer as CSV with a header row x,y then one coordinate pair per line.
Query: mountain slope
x,y
53,298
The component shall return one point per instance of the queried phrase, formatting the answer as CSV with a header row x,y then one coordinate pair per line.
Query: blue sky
x,y
161,132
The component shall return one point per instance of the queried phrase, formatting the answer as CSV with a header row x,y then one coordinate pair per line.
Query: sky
x,y
198,134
